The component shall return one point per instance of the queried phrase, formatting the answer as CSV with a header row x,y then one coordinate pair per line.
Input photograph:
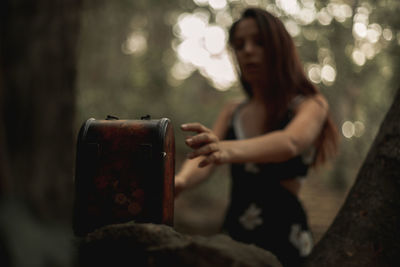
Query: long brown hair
x,y
286,78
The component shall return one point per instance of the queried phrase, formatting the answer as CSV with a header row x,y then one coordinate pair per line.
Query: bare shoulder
x,y
224,118
312,108
229,108
315,102
321,100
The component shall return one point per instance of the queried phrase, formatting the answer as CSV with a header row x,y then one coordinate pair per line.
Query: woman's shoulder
x,y
230,107
300,101
321,100
224,120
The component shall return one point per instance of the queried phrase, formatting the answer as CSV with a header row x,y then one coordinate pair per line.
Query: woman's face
x,y
250,52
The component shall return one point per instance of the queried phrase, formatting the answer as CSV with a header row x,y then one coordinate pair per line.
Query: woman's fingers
x,y
204,135
213,158
204,150
195,127
205,143
201,139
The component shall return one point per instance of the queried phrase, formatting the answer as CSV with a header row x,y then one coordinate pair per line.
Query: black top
x,y
267,173
261,211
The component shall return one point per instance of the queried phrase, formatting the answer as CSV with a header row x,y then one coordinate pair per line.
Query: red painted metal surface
x,y
124,172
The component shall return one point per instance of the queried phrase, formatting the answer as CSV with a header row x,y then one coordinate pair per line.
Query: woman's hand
x,y
206,144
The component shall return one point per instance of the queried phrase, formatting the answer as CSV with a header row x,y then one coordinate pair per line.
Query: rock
x,y
153,245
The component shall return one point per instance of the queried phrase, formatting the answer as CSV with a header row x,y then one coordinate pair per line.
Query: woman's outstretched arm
x,y
276,146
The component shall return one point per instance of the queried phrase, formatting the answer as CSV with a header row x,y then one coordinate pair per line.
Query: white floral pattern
x,y
251,217
302,240
251,167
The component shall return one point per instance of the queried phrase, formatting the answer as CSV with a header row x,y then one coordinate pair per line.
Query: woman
x,y
270,140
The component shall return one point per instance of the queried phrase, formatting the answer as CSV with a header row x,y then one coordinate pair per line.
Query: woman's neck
x,y
258,91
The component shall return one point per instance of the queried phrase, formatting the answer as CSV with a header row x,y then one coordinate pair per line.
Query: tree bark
x,y
38,72
365,231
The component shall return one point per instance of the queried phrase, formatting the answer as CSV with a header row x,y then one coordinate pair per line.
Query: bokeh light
x,y
288,6
135,44
368,50
359,30
358,57
374,32
249,2
191,25
306,16
217,4
359,128
340,12
203,47
328,74
201,2
323,17
314,73
214,39
224,19
387,34
348,129
181,71
201,36
221,72
292,28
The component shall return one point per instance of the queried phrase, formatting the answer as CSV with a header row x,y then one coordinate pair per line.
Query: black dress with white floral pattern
x,y
264,213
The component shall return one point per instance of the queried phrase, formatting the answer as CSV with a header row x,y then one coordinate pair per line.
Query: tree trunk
x,y
38,70
365,231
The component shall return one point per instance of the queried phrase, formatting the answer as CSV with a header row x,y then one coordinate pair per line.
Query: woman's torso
x,y
248,120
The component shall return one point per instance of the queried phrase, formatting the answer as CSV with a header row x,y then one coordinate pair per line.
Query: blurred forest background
x,y
170,59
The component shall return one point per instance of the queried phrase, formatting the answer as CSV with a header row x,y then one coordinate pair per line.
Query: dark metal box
x,y
124,171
